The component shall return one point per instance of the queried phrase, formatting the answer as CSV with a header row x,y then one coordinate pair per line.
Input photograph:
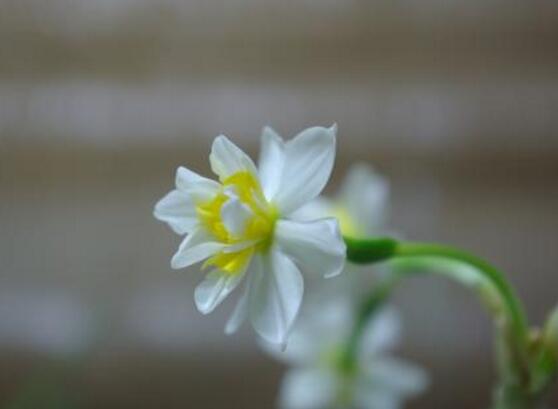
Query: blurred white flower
x,y
318,379
242,226
361,206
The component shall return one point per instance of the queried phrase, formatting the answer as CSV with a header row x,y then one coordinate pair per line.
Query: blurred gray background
x,y
100,100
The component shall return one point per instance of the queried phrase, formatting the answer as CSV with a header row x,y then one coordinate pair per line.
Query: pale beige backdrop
x,y
100,100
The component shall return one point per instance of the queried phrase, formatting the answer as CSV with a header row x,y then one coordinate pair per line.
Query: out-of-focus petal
x,y
323,325
365,195
299,350
317,247
307,389
373,397
394,376
380,334
318,208
307,166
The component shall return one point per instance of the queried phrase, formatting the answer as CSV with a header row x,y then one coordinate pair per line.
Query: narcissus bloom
x,y
242,227
317,379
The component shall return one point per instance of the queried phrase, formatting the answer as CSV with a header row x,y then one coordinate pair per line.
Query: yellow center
x,y
258,228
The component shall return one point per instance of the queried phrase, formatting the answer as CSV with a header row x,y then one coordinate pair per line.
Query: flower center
x,y
247,225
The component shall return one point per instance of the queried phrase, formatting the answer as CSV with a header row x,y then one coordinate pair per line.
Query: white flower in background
x,y
242,226
317,380
360,206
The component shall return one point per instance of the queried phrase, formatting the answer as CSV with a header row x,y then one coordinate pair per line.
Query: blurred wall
x,y
101,100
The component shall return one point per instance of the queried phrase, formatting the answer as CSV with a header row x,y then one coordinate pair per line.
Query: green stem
x,y
514,329
511,302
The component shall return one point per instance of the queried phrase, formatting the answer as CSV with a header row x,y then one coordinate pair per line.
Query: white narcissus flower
x,y
241,226
317,378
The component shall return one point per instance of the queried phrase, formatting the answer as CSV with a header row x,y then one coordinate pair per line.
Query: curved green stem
x,y
494,276
364,251
514,331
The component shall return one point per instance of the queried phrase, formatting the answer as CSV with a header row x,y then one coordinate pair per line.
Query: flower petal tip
x,y
175,265
333,129
182,173
203,305
155,212
333,274
269,130
204,311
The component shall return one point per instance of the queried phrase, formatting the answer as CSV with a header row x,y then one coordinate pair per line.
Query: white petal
x,y
307,389
198,187
227,159
380,334
234,248
214,288
196,247
238,315
365,195
319,208
234,215
307,167
317,247
275,296
240,311
271,161
300,348
176,209
395,376
370,396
